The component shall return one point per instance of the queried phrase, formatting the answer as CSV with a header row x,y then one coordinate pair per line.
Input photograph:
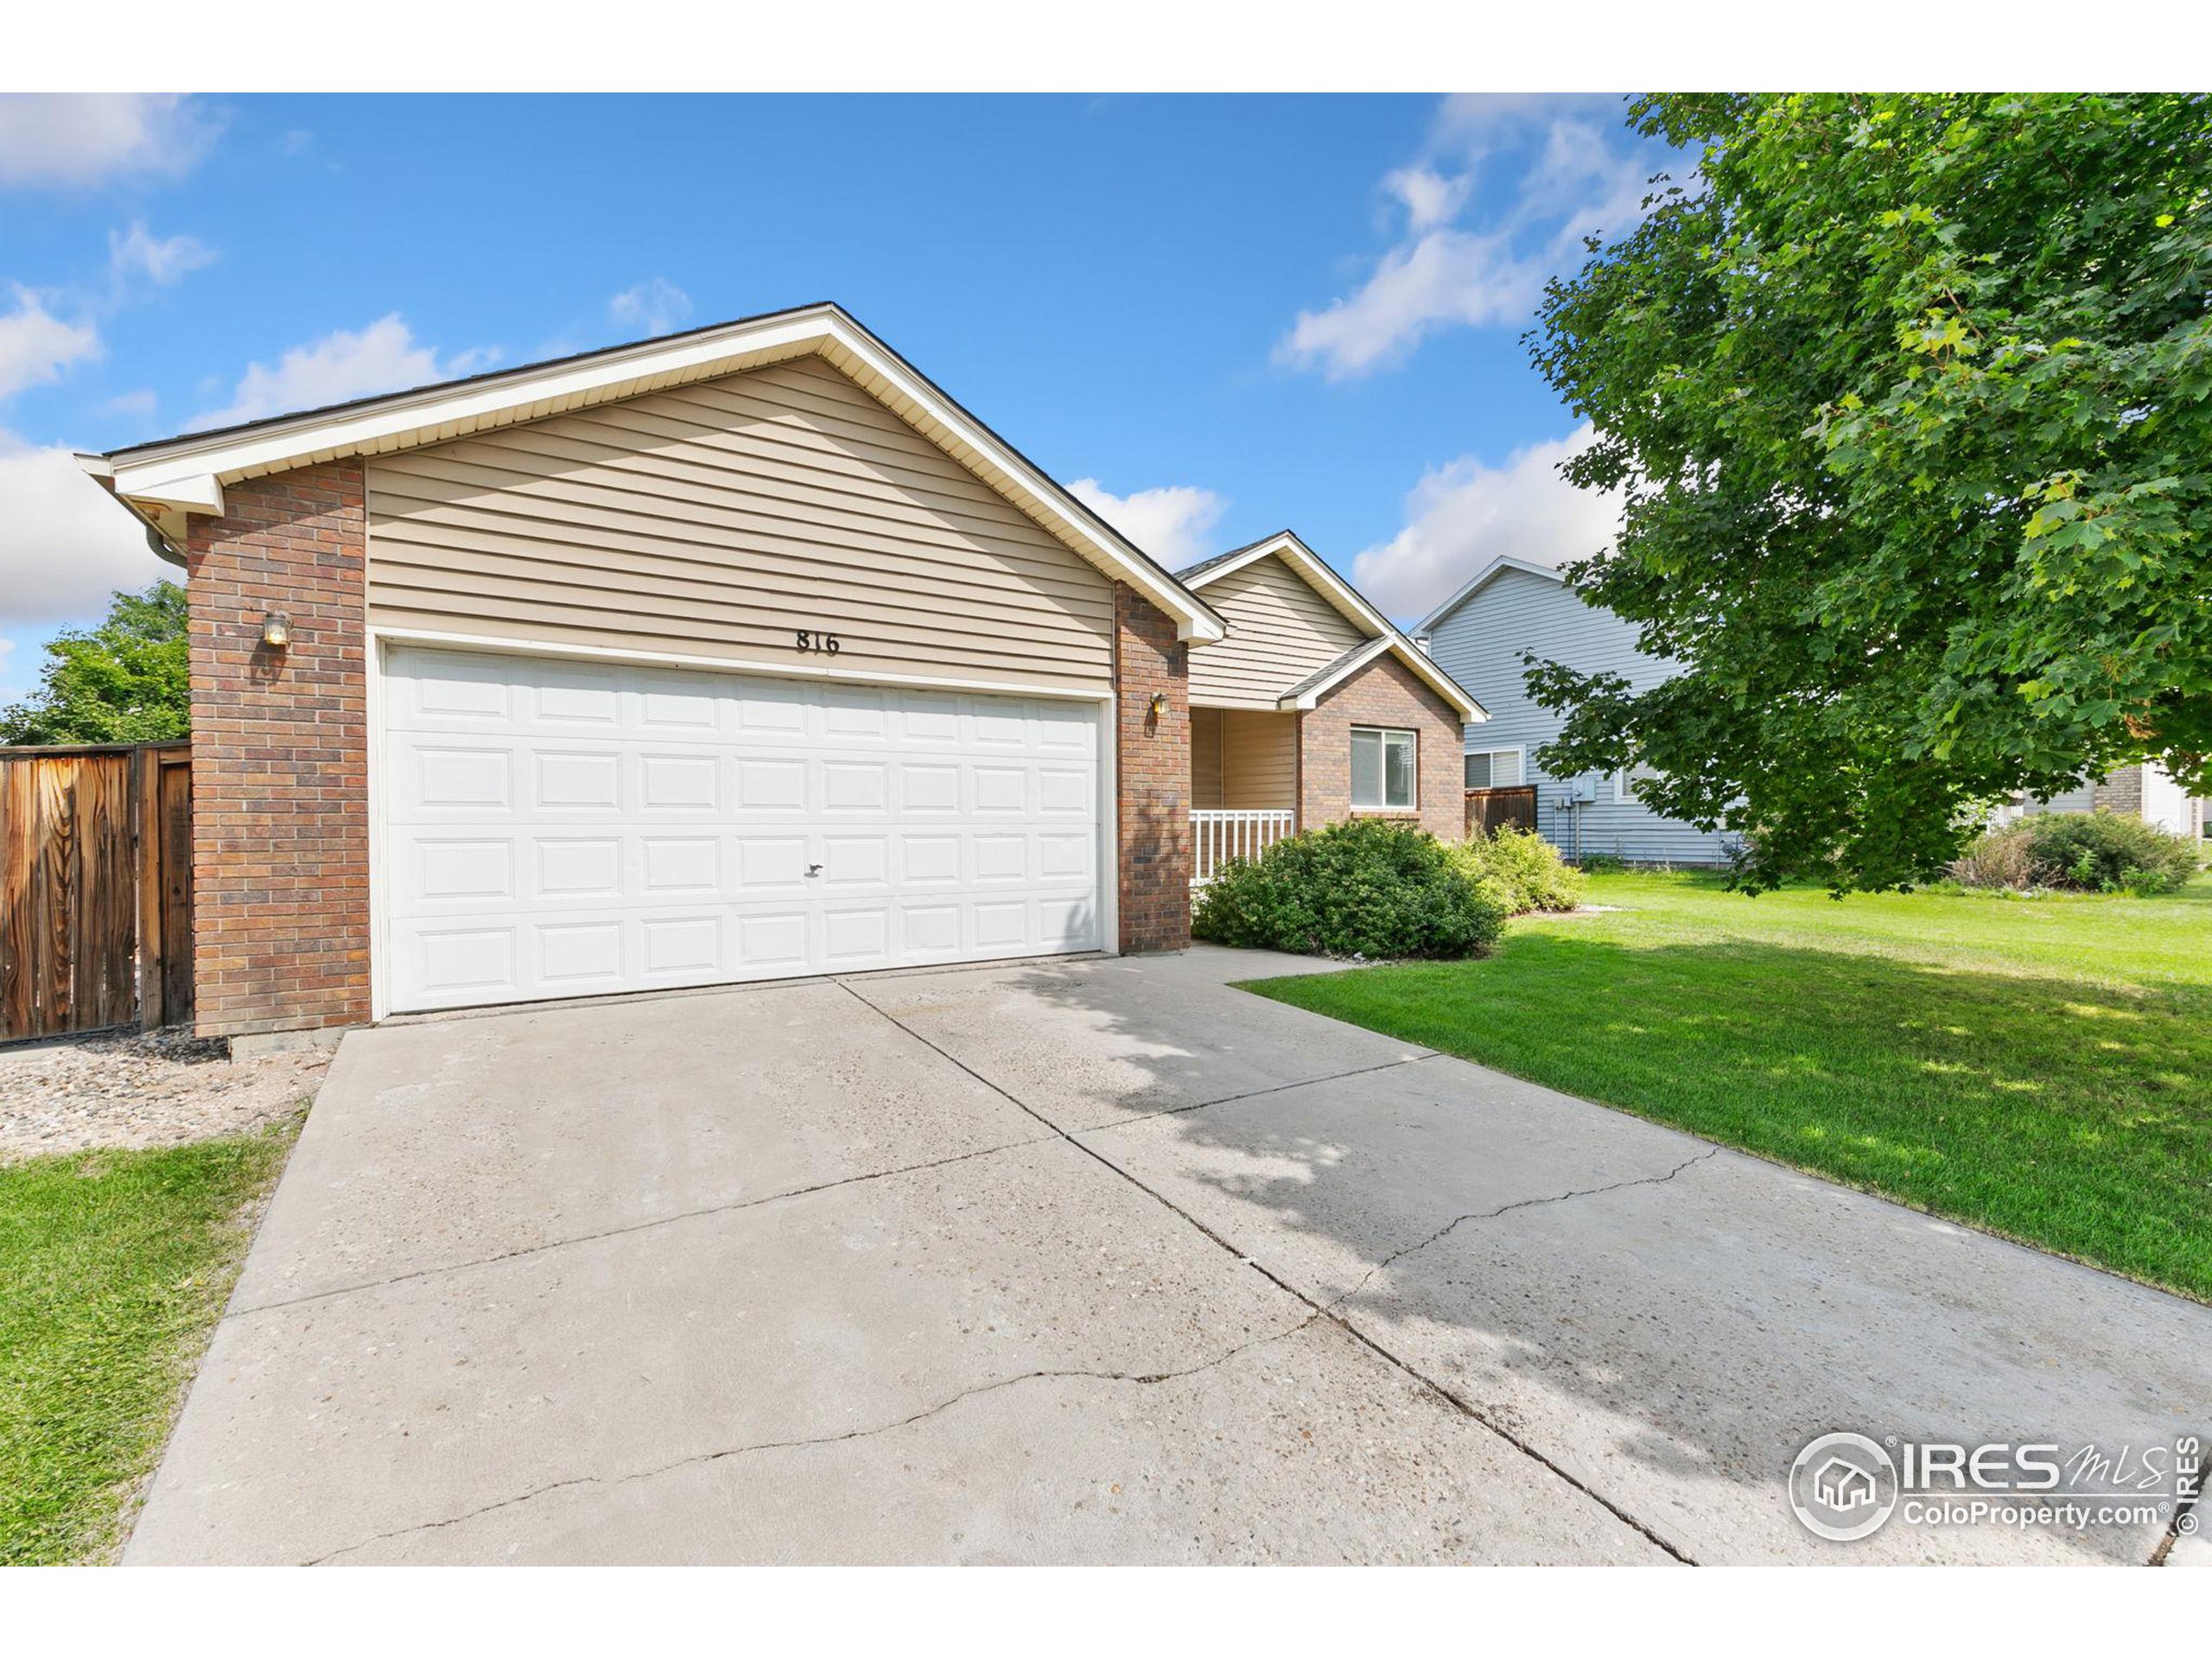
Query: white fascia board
x,y
1481,579
1316,571
189,472
1398,645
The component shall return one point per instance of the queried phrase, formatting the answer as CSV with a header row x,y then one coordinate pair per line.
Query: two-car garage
x,y
565,827
740,654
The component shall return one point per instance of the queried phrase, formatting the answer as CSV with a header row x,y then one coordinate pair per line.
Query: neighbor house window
x,y
1493,768
1382,769
1625,782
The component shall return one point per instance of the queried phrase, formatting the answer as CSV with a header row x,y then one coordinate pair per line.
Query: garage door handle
x,y
814,869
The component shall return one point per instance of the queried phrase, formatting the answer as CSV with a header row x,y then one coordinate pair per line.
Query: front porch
x,y
1243,785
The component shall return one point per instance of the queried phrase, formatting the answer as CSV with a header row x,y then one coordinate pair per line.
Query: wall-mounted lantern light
x,y
1159,705
276,630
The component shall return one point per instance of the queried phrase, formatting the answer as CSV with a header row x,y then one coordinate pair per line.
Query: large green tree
x,y
1910,398
126,681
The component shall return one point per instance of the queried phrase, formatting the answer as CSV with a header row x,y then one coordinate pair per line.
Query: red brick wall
x,y
280,854
1152,776
1384,693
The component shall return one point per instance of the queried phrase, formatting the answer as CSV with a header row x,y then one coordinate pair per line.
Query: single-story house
x,y
1512,605
1314,708
734,654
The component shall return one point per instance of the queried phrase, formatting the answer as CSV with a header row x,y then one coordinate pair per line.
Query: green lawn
x,y
113,1269
2039,1067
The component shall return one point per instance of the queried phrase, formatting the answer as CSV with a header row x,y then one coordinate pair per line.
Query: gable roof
x,y
1382,635
1482,579
165,481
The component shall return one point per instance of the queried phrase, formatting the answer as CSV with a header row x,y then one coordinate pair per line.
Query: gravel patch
x,y
144,1089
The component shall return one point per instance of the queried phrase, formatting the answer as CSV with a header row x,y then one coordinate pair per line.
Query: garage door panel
x,y
683,948
558,829
929,787
685,868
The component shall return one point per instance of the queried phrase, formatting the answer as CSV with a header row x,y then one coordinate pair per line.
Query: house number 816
x,y
809,640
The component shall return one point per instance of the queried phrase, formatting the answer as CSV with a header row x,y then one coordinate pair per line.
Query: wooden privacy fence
x,y
95,887
1513,806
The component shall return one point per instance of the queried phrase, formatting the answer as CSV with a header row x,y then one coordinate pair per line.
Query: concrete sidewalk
x,y
1100,1261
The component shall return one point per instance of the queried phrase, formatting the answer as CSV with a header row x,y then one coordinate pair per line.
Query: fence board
x,y
75,884
175,805
1513,806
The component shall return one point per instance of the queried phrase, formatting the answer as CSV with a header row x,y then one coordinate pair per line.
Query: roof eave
x,y
1498,565
1315,570
184,475
1307,696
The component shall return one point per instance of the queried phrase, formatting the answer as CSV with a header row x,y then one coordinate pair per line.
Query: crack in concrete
x,y
1142,1379
647,1225
1250,1094
1457,1402
1398,1256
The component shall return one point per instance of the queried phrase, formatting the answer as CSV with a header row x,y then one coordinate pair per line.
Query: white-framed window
x,y
1382,769
1623,782
1493,768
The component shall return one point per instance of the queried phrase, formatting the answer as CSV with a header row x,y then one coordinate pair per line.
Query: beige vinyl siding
x,y
1206,759
718,519
1280,631
1259,759
1242,760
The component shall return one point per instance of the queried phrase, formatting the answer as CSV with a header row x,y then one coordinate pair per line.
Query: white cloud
x,y
1430,198
65,543
162,260
1463,514
1169,523
342,365
654,307
36,346
1560,171
141,402
78,139
1447,277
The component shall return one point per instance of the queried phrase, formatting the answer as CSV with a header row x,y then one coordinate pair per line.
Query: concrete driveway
x,y
1098,1260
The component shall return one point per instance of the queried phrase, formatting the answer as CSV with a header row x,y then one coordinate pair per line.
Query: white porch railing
x,y
1217,835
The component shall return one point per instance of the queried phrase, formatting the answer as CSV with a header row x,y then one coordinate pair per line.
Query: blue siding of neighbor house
x,y
1479,644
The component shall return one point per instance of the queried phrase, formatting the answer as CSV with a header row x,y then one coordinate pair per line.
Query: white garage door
x,y
555,828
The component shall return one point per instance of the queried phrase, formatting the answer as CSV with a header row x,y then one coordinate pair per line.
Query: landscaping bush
x,y
1367,887
1526,869
2092,852
1998,859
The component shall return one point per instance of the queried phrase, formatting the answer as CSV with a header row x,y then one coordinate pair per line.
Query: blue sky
x,y
1213,316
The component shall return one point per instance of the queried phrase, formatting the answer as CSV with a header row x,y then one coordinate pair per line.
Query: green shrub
x,y
1367,887
2094,852
1601,864
1526,867
2099,851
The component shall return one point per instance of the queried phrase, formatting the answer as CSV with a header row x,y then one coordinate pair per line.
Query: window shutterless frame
x,y
1493,768
1383,768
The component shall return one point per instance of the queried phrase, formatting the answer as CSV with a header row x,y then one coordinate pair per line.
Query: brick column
x,y
280,819
1152,776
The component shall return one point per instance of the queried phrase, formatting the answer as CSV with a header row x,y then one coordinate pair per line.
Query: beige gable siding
x,y
718,520
1280,631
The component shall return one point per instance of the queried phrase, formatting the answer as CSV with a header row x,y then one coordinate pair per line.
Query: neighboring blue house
x,y
1477,637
